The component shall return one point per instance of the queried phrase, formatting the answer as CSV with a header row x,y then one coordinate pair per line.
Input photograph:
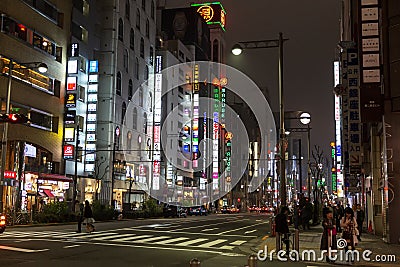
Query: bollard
x,y
296,241
272,225
194,263
278,241
252,261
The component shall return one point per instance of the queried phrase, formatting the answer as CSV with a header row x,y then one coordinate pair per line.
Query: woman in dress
x,y
88,217
328,240
349,226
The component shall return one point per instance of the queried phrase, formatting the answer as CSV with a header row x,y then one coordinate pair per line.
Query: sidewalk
x,y
310,240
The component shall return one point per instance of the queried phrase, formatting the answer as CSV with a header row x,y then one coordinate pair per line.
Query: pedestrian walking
x,y
328,239
360,216
79,208
88,217
282,227
350,232
306,215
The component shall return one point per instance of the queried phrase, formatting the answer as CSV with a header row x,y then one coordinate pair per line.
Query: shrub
x,y
102,212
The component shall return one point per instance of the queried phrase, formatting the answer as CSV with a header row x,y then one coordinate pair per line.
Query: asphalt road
x,y
216,240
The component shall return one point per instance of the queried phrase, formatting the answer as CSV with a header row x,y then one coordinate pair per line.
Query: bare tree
x,y
99,177
317,171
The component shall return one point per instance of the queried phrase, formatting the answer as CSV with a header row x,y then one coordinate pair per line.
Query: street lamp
x,y
237,50
42,67
305,119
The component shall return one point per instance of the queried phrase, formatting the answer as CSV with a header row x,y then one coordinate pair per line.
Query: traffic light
x,y
13,118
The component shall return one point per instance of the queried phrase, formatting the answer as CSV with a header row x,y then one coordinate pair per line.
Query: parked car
x,y
174,211
234,210
198,211
225,210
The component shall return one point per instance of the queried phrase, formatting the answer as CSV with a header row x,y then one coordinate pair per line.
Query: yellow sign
x,y
228,136
207,12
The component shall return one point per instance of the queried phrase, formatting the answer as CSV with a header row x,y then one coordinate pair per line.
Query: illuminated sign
x,y
228,136
10,175
93,66
212,13
73,66
68,151
30,151
74,50
69,134
70,100
69,117
71,83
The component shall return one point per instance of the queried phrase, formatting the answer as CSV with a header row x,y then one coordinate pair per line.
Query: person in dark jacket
x,y
360,216
282,227
88,217
328,239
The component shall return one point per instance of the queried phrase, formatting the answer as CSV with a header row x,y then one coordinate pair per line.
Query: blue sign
x,y
93,66
338,150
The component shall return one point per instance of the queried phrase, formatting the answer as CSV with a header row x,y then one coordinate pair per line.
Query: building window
x,y
120,30
151,57
129,142
130,89
126,60
147,28
152,11
142,47
137,68
141,97
123,111
127,10
138,19
79,32
146,73
48,10
132,39
134,119
215,50
144,5
119,84
145,123
82,92
150,102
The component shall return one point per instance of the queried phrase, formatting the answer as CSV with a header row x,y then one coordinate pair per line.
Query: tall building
x,y
110,126
368,97
33,32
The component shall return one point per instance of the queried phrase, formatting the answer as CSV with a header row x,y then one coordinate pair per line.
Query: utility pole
x,y
74,193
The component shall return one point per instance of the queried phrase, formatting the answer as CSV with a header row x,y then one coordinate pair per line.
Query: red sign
x,y
10,175
68,151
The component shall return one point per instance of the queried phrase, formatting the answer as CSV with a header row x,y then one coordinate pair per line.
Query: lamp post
x,y
305,119
237,50
41,68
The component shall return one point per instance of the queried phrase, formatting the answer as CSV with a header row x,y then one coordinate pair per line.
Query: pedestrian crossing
x,y
207,242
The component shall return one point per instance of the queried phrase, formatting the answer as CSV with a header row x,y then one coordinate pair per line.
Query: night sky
x,y
312,27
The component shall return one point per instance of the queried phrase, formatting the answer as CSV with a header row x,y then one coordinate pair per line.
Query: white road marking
x,y
152,239
131,238
22,249
173,240
234,230
111,236
209,229
72,246
238,242
212,243
205,225
190,242
249,232
227,247
98,234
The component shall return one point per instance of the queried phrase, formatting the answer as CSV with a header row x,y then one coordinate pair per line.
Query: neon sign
x,y
212,13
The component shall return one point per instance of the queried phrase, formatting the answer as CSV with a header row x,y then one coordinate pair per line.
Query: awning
x,y
42,194
55,177
48,193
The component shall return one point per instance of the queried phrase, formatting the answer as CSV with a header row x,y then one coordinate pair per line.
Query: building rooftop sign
x,y
212,13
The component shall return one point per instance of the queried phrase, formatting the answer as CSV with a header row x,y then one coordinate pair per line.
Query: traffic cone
x,y
370,227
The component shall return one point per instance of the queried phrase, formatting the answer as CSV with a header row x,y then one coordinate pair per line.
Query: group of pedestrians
x,y
349,225
338,222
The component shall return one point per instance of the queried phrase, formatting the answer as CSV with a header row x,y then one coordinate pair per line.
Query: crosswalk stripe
x,y
190,242
238,242
212,243
111,236
127,239
69,235
169,241
227,247
152,239
99,234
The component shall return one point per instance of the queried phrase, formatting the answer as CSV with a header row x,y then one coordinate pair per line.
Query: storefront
x,y
39,189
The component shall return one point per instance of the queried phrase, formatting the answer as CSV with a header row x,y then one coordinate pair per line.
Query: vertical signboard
x,y
157,125
215,138
195,121
338,132
91,115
